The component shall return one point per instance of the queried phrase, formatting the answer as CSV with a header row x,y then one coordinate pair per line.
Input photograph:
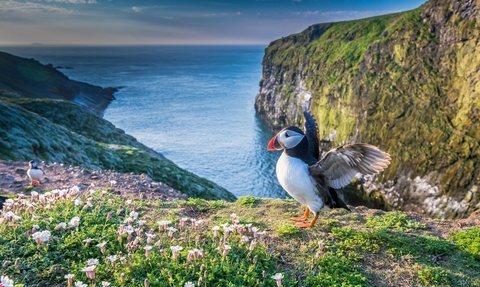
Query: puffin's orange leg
x,y
305,225
303,218
33,182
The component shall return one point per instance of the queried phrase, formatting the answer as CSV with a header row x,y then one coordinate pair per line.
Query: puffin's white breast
x,y
293,175
35,173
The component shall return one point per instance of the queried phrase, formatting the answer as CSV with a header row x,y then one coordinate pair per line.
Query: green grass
x,y
469,241
339,250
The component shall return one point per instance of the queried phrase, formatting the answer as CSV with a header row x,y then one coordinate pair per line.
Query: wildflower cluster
x,y
97,238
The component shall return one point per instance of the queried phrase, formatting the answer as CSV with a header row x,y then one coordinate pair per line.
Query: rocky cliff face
x,y
27,78
407,82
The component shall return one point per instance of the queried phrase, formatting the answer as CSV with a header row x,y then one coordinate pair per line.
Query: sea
x,y
193,104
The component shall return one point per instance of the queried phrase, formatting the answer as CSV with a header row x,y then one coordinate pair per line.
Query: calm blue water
x,y
194,104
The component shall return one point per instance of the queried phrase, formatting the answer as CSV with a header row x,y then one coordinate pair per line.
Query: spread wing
x,y
311,132
341,164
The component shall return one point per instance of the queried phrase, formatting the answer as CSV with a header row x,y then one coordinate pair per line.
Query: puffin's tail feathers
x,y
335,201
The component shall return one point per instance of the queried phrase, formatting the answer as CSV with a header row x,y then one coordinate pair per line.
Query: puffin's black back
x,y
311,132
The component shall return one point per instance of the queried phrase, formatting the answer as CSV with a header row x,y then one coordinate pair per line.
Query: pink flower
x,y
175,250
255,230
162,225
252,245
148,250
87,241
226,249
102,246
69,278
150,237
215,231
171,231
183,222
90,271
278,277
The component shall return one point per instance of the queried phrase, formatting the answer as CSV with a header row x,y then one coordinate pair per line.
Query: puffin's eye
x,y
286,135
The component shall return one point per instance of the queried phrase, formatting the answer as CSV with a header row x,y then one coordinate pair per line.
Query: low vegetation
x,y
65,132
100,239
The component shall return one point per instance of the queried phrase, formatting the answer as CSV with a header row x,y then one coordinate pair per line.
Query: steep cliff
x,y
408,82
28,78
64,132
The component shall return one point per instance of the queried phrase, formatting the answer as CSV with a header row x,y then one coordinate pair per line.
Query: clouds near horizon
x,y
175,21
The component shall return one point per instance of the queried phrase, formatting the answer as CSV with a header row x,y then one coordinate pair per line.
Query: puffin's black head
x,y
287,138
33,164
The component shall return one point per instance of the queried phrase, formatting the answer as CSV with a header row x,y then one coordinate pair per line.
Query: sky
x,y
130,22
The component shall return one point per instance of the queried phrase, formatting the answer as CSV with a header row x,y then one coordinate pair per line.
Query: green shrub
x,y
248,200
287,229
336,270
468,241
433,276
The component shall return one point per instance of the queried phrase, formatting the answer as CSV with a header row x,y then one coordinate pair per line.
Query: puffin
x,y
34,173
312,180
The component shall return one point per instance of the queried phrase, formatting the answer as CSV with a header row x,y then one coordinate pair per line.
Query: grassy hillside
x,y
65,132
407,82
28,78
172,243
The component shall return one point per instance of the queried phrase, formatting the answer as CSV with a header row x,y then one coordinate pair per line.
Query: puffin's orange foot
x,y
33,183
303,224
298,218
303,218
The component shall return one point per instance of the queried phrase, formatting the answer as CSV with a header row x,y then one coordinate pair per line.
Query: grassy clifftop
x,y
65,132
172,243
407,82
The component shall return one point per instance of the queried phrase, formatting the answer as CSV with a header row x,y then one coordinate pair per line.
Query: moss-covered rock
x,y
66,132
407,82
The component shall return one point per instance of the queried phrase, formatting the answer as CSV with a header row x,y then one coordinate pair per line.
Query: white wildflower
x,y
6,282
74,222
91,262
134,214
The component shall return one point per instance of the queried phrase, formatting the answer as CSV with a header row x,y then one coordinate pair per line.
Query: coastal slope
x,y
28,78
65,132
407,82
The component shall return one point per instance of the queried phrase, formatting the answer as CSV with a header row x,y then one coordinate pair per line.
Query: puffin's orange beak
x,y
273,144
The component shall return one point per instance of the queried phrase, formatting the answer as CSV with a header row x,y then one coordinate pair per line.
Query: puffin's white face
x,y
285,139
289,139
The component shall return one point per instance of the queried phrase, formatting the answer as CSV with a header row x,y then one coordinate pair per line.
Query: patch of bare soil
x,y
14,179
